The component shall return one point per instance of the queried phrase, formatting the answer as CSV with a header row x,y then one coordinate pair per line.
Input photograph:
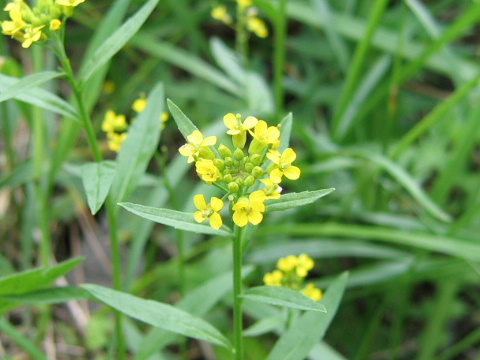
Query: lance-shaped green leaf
x,y
30,280
277,295
54,295
138,148
40,97
285,132
159,315
116,41
292,200
177,219
310,328
28,82
97,179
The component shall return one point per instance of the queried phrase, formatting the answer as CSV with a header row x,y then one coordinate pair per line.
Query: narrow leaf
x,y
139,146
97,179
49,296
310,328
159,315
177,219
184,124
276,295
116,41
40,97
292,200
285,131
27,83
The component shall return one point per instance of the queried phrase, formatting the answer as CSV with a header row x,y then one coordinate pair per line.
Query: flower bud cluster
x,y
237,169
116,126
252,22
28,25
291,272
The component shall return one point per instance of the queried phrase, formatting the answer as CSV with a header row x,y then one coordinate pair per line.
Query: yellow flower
x,y
163,119
196,143
263,136
31,35
209,211
17,23
273,279
312,292
305,264
257,26
139,104
237,129
249,210
207,171
220,13
55,24
271,190
72,3
115,140
288,263
244,3
113,122
283,166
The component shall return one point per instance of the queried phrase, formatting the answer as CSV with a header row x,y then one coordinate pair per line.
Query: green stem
x,y
109,203
241,39
279,59
237,291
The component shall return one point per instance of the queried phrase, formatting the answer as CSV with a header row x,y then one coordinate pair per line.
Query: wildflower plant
x,y
246,170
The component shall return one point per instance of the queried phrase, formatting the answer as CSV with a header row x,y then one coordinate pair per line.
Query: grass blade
x,y
27,83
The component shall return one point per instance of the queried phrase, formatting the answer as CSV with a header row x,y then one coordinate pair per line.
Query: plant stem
x,y
241,39
109,203
279,59
237,291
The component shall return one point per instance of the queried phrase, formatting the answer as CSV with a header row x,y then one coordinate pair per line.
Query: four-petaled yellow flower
x,y
115,140
249,209
263,136
113,122
257,26
196,143
31,35
208,211
283,166
288,263
72,3
207,171
312,292
272,190
273,279
237,129
17,23
220,13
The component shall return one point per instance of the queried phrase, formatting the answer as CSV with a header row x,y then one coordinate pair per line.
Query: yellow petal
x,y
288,156
230,121
292,172
216,204
209,141
276,176
139,104
215,221
198,216
195,137
240,218
250,122
257,206
240,204
199,202
255,217
261,127
258,195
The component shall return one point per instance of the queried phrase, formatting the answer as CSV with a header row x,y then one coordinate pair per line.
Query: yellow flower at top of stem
x,y
263,136
249,209
273,279
208,211
257,26
220,13
282,165
237,129
207,171
196,143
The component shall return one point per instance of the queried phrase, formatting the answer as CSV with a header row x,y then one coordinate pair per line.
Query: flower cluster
x,y
253,24
240,171
115,126
29,25
291,272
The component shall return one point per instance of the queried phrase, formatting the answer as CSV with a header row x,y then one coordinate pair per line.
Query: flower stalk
x,y
239,233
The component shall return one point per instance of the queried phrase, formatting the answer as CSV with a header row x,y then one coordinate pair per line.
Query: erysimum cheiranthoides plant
x,y
247,171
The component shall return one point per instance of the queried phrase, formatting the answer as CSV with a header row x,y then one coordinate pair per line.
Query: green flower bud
x,y
229,161
233,187
257,172
224,151
248,167
256,147
219,164
206,153
249,180
239,181
238,154
228,178
255,159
